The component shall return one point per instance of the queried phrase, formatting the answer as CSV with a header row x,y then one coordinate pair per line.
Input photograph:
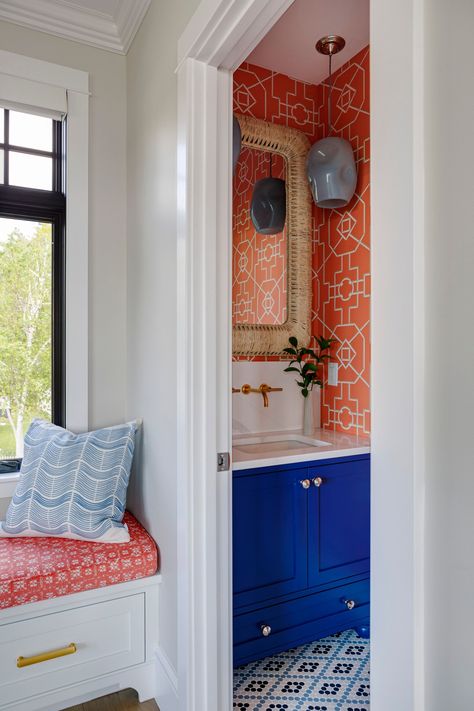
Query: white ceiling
x,y
107,24
289,46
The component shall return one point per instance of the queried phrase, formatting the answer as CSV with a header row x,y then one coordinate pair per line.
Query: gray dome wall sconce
x,y
330,164
236,142
268,206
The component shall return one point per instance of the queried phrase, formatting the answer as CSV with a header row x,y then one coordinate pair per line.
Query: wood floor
x,y
126,700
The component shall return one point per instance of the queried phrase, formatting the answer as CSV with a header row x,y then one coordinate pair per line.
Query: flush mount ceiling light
x,y
330,165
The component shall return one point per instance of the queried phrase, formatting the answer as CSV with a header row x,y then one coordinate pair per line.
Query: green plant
x,y
306,362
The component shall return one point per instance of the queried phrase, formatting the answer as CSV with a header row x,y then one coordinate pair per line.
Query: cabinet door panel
x,y
339,521
269,535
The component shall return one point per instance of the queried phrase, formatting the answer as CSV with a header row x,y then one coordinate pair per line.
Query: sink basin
x,y
261,444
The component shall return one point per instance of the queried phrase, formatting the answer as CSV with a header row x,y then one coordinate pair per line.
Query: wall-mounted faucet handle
x,y
268,389
263,389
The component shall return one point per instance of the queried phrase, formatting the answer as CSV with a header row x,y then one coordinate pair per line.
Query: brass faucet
x,y
263,389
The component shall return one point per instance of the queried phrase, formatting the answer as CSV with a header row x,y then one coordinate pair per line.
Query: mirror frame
x,y
270,340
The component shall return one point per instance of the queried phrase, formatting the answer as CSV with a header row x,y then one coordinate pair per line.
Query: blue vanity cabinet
x,y
270,528
300,553
338,521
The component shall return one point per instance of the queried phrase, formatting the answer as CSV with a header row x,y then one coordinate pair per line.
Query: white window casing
x,y
47,89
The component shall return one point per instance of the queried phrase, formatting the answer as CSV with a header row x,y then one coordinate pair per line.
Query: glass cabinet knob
x,y
317,481
350,604
305,483
265,630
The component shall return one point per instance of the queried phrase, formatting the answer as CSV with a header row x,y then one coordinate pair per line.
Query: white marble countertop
x,y
337,445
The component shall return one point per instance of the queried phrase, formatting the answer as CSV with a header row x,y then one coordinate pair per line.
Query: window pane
x,y
31,171
31,131
25,329
2,125
1,166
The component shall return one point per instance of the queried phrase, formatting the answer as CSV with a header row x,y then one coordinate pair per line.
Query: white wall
x,y
450,356
107,210
152,376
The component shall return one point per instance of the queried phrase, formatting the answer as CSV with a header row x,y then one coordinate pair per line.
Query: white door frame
x,y
219,36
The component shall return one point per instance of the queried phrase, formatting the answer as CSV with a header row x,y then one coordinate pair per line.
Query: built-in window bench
x,y
77,619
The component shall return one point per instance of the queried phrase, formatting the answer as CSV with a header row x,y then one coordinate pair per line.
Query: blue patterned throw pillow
x,y
72,485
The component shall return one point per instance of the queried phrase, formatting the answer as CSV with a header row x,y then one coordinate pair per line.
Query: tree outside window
x,y
25,330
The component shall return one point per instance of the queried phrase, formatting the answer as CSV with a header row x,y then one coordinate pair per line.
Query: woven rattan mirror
x,y
284,302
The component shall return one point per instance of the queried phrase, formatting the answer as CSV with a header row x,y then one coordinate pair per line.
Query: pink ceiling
x,y
289,46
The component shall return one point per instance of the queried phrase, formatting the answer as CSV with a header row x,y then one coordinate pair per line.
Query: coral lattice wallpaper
x,y
341,238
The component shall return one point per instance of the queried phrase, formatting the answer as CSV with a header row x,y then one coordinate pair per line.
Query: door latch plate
x,y
223,461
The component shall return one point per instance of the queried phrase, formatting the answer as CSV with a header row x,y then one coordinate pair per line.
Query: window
x,y
32,277
45,93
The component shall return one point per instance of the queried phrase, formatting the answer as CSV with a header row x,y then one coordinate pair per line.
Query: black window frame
x,y
43,206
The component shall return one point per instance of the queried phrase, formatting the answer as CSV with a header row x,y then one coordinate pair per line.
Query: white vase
x,y
308,424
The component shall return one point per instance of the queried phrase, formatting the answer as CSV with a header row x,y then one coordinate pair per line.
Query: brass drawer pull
x,y
46,656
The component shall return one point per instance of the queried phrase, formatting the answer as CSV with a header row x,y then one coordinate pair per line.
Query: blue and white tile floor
x,y
331,674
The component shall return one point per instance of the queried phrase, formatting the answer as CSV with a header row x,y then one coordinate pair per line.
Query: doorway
x,y
288,92
218,38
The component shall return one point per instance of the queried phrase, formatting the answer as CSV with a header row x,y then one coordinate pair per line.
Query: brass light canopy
x,y
330,44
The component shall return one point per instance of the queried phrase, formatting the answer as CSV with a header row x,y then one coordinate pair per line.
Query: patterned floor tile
x,y
329,689
240,705
331,674
360,692
280,705
319,706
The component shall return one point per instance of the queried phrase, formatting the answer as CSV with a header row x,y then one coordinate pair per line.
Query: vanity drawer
x,y
90,641
301,620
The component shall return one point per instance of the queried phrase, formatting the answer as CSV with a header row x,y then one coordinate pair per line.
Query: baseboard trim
x,y
166,682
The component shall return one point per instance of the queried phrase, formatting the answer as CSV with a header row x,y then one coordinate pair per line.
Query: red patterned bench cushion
x,y
33,569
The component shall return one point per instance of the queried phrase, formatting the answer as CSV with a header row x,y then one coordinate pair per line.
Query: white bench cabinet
x,y
101,641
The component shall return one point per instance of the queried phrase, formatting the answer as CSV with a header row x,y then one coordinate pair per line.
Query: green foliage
x,y
306,362
7,441
25,328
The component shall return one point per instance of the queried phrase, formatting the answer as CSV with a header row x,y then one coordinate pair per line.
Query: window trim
x,y
50,78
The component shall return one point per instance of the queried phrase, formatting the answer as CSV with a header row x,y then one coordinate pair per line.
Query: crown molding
x,y
67,19
129,18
